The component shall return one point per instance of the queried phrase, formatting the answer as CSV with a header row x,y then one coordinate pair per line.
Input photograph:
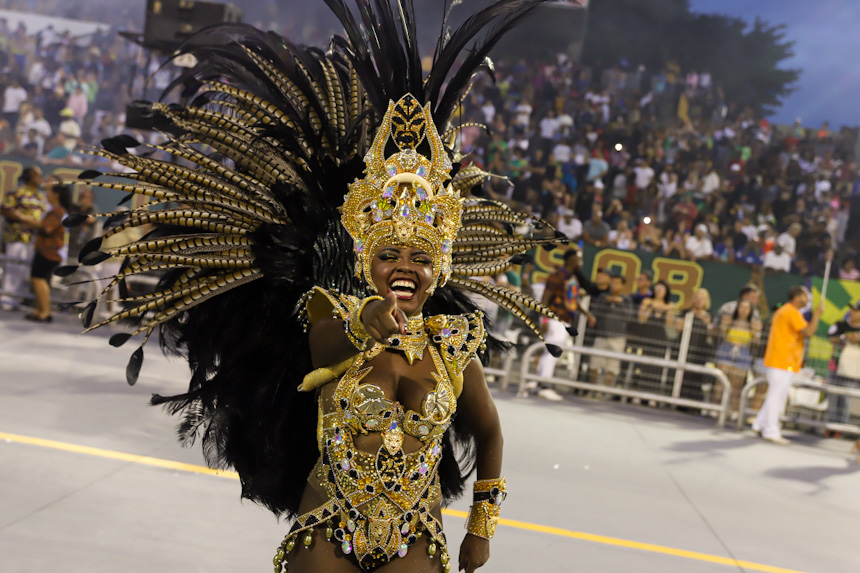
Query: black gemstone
x,y
395,342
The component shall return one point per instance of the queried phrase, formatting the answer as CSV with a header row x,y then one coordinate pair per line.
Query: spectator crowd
x,y
615,157
663,163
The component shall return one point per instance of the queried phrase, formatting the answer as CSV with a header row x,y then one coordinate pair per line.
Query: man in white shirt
x,y
13,97
788,240
644,175
39,124
711,181
489,111
698,245
565,124
570,225
777,259
561,153
523,114
548,126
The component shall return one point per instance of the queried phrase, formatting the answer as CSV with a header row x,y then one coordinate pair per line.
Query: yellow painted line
x,y
169,464
133,458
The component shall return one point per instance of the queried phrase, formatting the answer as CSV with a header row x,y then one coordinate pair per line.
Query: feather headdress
x,y
246,220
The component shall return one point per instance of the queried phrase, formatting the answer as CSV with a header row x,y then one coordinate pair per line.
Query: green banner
x,y
723,280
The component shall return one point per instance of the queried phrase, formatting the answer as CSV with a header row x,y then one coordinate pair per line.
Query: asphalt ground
x,y
92,480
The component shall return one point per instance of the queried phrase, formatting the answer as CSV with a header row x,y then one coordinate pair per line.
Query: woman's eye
x,y
387,258
421,261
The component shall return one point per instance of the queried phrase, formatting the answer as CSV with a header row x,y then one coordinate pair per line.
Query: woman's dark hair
x,y
27,174
746,289
64,196
736,313
668,296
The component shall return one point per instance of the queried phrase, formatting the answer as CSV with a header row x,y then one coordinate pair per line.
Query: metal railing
x,y
5,261
62,292
722,408
829,389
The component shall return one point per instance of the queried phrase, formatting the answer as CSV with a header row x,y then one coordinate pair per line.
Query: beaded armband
x,y
488,495
319,302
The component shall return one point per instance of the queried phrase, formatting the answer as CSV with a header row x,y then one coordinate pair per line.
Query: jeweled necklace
x,y
413,343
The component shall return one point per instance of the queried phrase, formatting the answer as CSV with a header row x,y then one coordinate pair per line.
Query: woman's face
x,y
700,299
660,292
744,309
406,271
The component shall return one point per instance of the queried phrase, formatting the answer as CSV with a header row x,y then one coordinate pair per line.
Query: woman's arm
x,y
476,405
330,344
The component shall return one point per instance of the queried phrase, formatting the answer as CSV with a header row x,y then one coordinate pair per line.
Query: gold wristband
x,y
484,512
353,326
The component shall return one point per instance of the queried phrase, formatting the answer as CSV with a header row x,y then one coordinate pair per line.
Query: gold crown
x,y
405,198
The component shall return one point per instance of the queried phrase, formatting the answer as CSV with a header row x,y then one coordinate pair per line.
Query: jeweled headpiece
x,y
405,198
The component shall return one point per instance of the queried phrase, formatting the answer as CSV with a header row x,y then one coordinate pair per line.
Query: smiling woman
x,y
376,414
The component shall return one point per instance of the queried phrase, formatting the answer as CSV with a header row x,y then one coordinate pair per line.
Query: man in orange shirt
x,y
784,358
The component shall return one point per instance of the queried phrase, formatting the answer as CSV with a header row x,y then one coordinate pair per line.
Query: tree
x,y
745,60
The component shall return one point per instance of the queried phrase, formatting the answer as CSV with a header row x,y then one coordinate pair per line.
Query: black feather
x,y
120,144
122,286
74,220
522,259
90,174
554,350
65,270
119,339
571,330
93,245
117,219
94,258
132,370
86,315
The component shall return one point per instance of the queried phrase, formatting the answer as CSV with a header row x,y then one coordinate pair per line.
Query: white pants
x,y
778,385
16,272
556,333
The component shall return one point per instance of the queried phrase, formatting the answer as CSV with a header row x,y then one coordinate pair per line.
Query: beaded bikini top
x,y
367,408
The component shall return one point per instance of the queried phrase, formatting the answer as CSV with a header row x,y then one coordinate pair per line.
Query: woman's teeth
x,y
403,288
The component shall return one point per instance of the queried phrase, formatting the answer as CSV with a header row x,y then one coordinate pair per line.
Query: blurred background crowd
x,y
660,160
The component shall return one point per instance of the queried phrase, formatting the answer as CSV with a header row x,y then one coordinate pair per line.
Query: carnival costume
x,y
256,241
